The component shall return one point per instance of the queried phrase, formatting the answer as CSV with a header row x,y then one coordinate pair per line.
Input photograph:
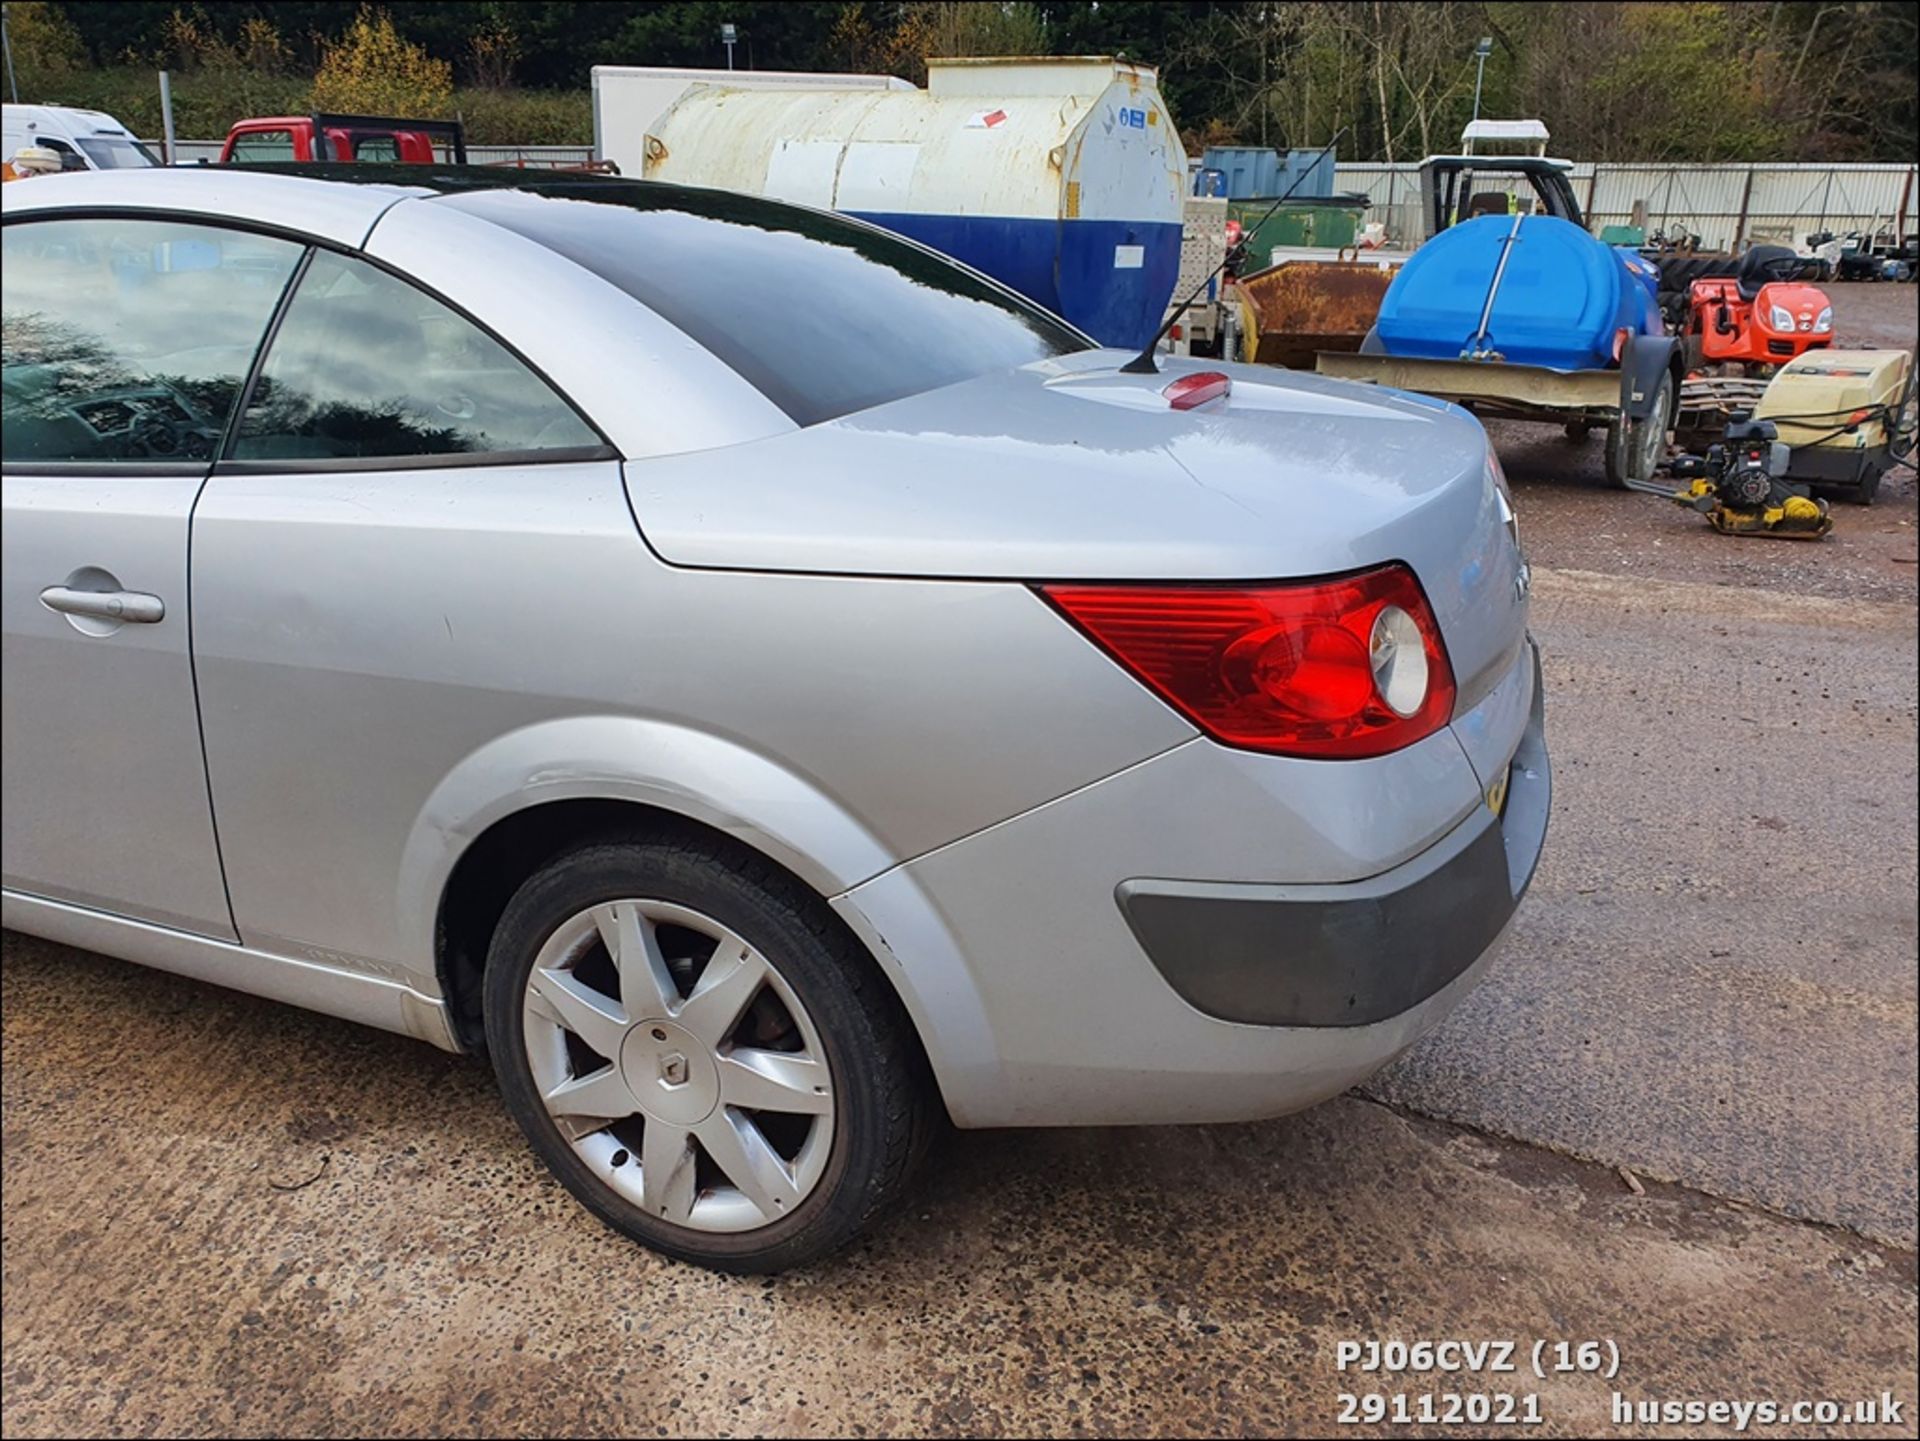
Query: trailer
x,y
1530,318
1305,302
1512,309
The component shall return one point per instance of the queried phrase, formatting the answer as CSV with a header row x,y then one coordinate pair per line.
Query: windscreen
x,y
825,316
111,152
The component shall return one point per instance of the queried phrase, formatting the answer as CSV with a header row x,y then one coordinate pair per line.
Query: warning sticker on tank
x,y
1129,257
986,120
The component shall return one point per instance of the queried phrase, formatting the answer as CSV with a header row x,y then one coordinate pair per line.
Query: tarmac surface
x,y
1680,1118
1713,979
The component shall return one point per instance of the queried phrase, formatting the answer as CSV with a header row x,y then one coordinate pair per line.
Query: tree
x,y
920,32
492,52
44,42
1676,79
371,70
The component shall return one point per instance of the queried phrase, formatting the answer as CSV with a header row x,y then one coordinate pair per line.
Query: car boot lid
x,y
1070,469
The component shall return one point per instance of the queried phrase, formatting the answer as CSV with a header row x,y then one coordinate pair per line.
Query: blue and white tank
x,y
1061,178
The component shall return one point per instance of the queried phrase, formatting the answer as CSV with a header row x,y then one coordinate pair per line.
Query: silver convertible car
x,y
765,686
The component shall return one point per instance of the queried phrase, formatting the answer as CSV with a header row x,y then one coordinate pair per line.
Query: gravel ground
x,y
1573,519
227,1216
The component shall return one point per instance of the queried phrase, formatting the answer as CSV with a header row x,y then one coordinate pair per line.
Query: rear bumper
x,y
1041,1005
1357,954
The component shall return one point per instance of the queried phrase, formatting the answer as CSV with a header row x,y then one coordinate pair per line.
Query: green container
x,y
1309,223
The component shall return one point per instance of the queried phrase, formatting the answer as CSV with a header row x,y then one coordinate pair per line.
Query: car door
x,y
361,563
126,345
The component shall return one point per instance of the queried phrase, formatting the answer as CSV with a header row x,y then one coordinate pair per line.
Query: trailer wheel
x,y
1578,430
1635,448
1867,489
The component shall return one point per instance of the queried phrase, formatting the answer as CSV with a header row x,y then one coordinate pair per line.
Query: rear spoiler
x,y
451,132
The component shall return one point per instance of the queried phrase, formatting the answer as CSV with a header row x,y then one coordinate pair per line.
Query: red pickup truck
x,y
373,139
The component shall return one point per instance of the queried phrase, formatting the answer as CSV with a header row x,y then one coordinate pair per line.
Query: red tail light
x,y
1340,668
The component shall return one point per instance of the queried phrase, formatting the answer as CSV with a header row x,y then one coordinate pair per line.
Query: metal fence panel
x,y
189,152
1840,197
1705,199
545,155
1727,206
1392,191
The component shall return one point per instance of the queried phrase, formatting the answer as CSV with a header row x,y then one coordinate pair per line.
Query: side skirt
x,y
370,1000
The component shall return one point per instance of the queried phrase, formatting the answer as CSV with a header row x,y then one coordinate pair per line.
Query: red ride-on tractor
x,y
1760,316
1742,321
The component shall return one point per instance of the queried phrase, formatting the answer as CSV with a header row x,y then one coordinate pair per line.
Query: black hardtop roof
x,y
454,180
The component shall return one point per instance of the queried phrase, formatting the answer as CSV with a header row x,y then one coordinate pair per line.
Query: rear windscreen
x,y
824,315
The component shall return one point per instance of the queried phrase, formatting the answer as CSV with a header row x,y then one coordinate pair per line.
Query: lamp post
x,y
6,44
1480,53
727,36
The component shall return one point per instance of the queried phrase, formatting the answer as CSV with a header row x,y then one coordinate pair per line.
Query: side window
x,y
127,341
376,149
259,146
70,159
366,367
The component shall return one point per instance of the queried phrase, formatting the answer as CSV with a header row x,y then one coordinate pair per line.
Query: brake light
x,y
1341,668
1197,389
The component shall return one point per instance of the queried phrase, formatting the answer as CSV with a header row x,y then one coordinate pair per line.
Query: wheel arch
x,y
526,786
514,805
1646,359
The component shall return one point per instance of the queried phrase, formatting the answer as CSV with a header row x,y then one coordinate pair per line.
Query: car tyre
x,y
558,996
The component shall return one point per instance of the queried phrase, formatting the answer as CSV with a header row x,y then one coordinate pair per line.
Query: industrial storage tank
x,y
1062,178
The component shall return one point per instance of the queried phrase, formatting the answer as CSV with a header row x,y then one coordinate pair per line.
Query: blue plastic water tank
x,y
1563,296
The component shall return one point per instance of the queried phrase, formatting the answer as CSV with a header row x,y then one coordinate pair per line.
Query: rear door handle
x,y
133,606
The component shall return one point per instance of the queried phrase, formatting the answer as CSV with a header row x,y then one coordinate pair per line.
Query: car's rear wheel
x,y
700,1055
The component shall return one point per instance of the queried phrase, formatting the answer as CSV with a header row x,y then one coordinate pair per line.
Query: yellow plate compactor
x,y
1829,420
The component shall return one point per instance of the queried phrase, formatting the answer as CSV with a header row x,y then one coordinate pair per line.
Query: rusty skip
x,y
1303,306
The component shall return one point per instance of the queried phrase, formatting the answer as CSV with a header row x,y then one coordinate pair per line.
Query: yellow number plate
x,y
1497,792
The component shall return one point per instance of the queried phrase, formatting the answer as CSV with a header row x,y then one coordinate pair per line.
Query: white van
x,y
83,139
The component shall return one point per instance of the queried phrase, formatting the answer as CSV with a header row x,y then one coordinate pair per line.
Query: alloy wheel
x,y
679,1065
